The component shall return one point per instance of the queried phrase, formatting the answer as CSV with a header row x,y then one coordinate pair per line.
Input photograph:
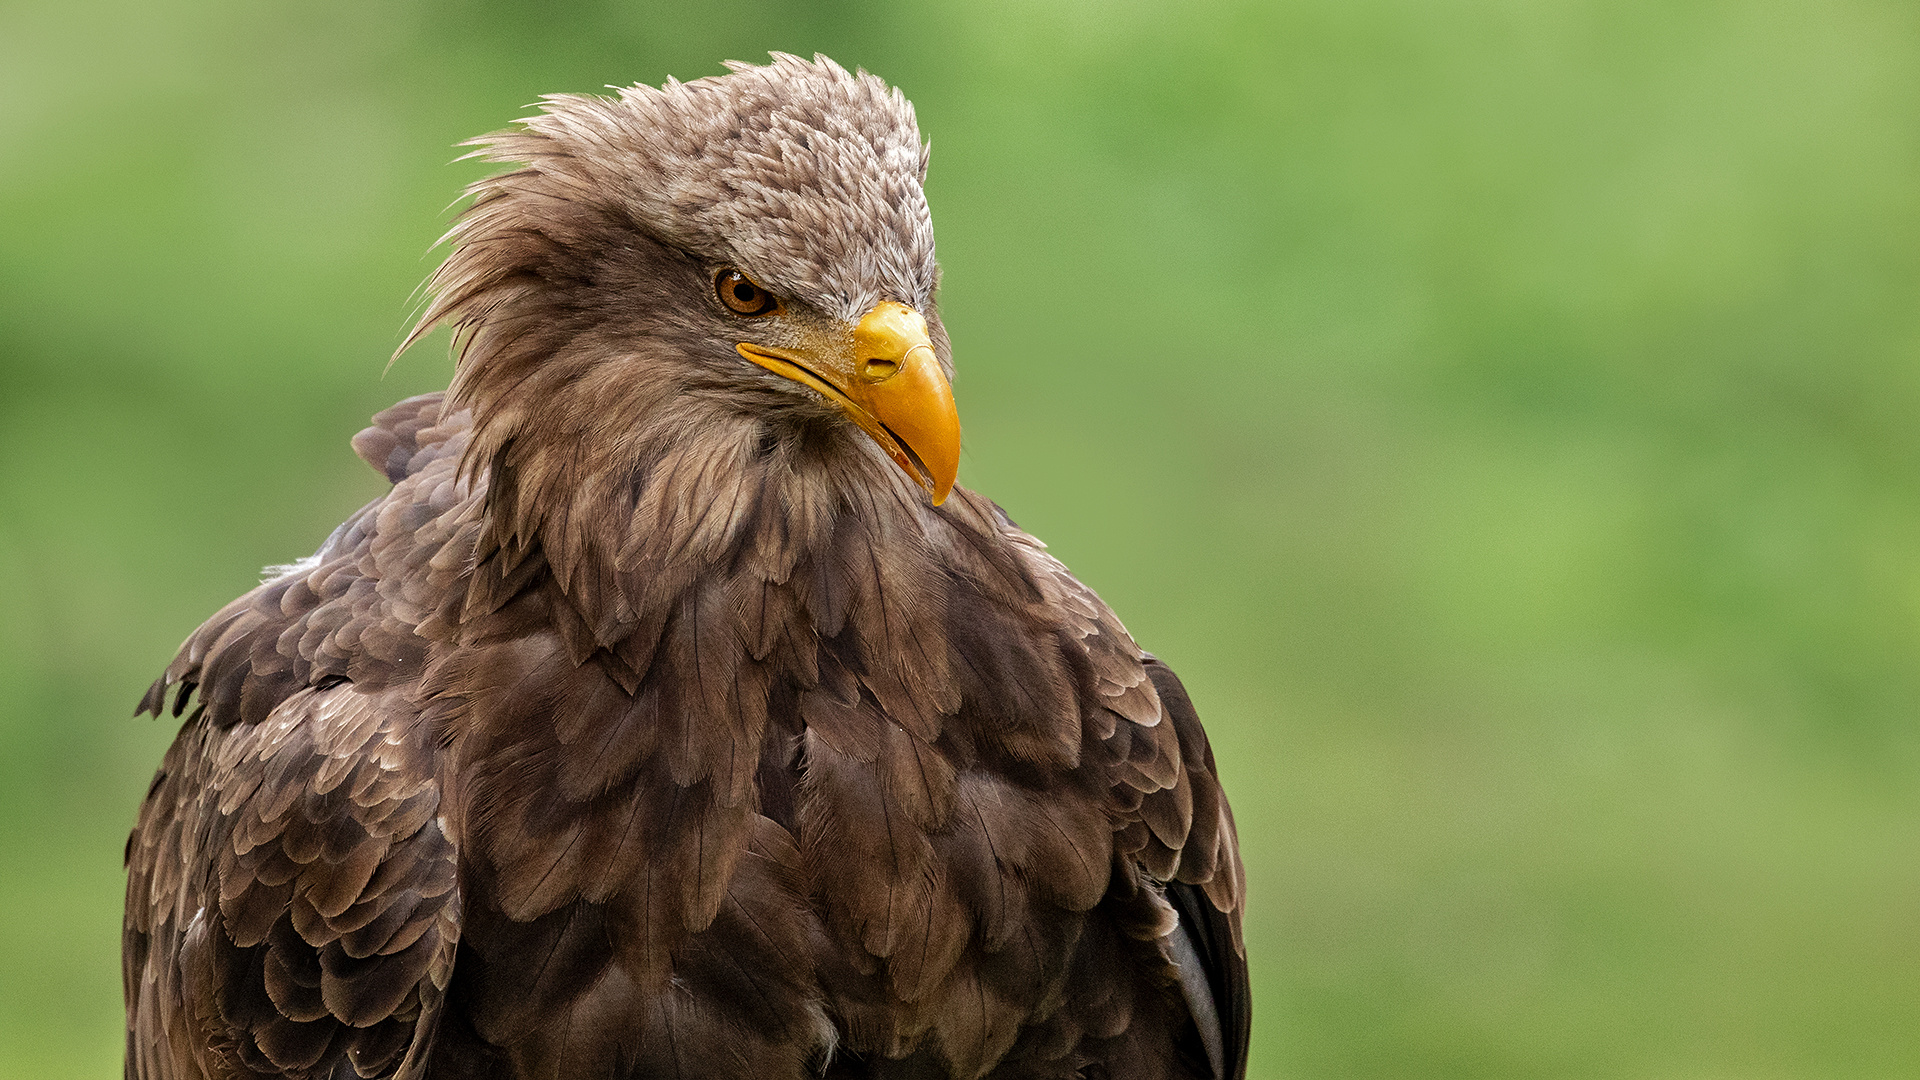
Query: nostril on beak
x,y
877,369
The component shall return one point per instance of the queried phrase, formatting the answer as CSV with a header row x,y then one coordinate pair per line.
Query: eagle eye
x,y
741,295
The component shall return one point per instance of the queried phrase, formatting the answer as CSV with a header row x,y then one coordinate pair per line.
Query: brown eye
x,y
742,296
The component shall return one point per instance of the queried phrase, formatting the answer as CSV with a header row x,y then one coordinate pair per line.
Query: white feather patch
x,y
269,574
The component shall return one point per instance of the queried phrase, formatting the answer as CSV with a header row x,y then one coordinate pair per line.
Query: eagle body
x,y
673,715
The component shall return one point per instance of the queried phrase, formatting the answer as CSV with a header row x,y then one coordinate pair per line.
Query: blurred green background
x,y
1502,414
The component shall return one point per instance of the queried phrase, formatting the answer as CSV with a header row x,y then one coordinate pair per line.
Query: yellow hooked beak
x,y
887,380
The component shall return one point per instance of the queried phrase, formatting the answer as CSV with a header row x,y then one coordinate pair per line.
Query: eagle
x,y
674,714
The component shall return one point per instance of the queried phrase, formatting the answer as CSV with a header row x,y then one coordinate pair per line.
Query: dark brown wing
x,y
1179,882
291,902
1216,983
291,905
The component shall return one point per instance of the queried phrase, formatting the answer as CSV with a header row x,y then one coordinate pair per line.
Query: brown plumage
x,y
657,722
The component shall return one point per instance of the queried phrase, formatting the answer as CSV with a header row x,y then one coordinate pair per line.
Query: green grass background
x,y
1502,413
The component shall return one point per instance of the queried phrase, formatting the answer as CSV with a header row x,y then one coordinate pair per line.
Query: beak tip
x,y
946,469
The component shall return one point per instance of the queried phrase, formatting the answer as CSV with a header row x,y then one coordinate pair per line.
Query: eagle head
x,y
729,280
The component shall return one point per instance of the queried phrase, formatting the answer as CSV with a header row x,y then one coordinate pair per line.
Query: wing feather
x,y
1210,914
323,934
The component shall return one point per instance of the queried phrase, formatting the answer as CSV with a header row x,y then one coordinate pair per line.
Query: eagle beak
x,y
887,380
